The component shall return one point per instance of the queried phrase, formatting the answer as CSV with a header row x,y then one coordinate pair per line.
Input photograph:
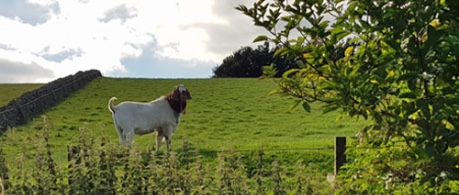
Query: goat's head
x,y
180,93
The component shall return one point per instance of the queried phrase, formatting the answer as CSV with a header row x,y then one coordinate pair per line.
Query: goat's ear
x,y
176,93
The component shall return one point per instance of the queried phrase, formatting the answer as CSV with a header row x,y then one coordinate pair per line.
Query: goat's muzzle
x,y
181,93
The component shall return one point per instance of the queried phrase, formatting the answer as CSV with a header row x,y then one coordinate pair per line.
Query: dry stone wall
x,y
32,103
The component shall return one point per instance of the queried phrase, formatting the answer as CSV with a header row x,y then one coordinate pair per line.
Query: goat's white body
x,y
142,118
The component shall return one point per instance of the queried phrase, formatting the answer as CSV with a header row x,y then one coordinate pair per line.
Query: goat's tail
x,y
110,105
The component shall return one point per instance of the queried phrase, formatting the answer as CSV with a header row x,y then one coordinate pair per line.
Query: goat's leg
x,y
168,134
168,142
124,137
120,135
159,140
129,137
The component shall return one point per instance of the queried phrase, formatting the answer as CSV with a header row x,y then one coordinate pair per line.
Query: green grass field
x,y
10,91
223,114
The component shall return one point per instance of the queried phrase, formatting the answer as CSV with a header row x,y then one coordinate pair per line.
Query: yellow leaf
x,y
447,124
390,74
307,56
435,23
443,2
274,92
414,116
348,51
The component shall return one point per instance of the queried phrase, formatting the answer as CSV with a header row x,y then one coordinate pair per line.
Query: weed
x,y
96,167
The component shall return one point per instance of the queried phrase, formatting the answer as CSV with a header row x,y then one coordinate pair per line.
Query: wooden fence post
x,y
340,156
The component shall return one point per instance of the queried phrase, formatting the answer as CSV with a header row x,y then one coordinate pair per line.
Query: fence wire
x,y
266,150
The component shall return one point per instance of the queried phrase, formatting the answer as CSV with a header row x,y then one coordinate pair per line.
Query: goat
x,y
161,115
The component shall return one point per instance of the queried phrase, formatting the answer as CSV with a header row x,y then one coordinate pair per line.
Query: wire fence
x,y
267,150
338,150
22,109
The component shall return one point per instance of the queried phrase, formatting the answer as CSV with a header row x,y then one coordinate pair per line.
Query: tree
x,y
399,71
248,62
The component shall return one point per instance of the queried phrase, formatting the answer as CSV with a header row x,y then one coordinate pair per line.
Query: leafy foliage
x,y
96,167
3,173
399,70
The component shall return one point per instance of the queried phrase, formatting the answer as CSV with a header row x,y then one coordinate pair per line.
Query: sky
x,y
42,40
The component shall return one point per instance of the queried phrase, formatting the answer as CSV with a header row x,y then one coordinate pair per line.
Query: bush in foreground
x,y
96,167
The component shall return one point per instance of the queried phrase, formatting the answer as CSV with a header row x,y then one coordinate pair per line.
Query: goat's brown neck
x,y
177,105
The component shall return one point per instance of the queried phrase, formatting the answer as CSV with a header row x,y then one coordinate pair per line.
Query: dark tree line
x,y
248,62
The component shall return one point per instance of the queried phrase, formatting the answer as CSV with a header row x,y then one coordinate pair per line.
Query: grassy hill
x,y
223,114
10,91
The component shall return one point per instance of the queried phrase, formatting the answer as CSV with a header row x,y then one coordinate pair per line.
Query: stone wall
x,y
24,108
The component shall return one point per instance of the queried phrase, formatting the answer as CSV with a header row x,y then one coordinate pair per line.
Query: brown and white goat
x,y
161,115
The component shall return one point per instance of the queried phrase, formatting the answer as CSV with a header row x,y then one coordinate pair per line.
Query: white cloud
x,y
12,72
79,35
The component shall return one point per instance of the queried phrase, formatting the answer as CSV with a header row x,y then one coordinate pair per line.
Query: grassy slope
x,y
223,114
10,91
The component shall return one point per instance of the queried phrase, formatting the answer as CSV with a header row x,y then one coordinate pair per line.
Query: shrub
x,y
399,71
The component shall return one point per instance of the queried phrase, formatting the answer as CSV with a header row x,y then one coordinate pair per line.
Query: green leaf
x,y
300,63
260,38
286,18
281,51
269,71
289,72
340,34
294,105
324,24
306,107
